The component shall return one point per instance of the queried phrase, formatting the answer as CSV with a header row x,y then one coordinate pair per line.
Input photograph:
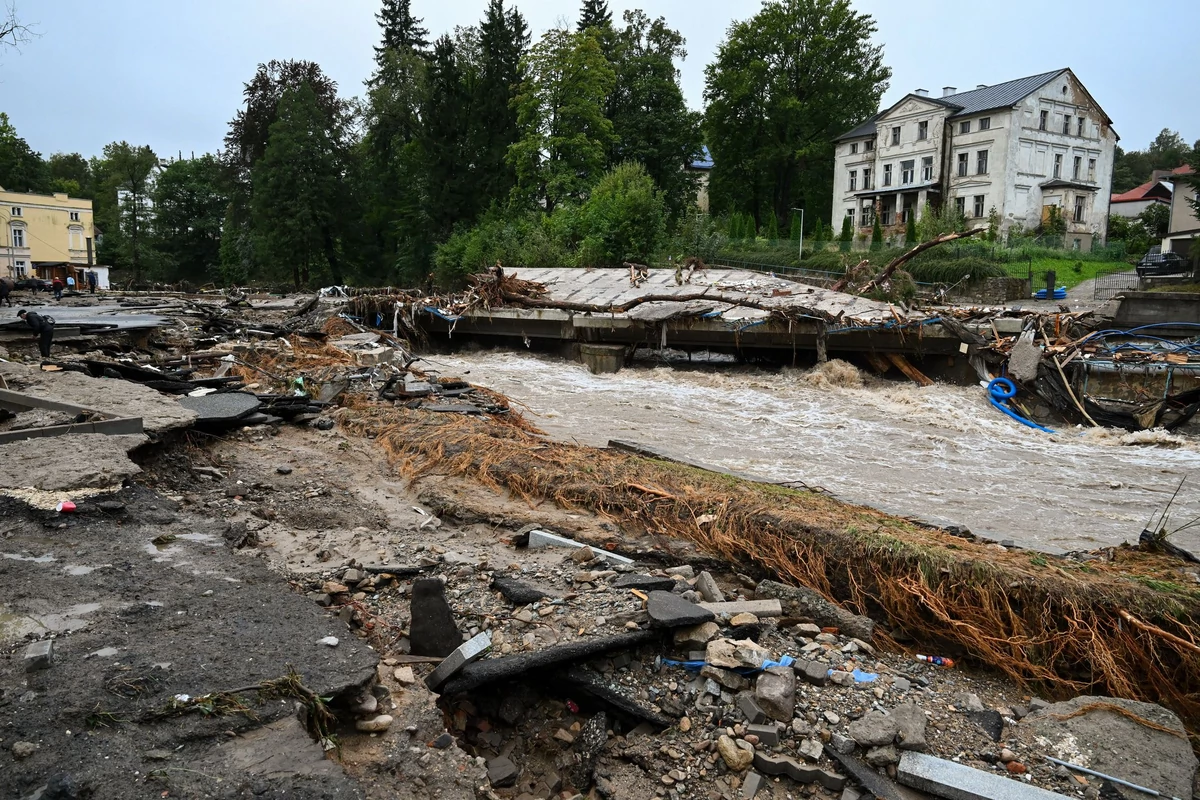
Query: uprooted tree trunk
x,y
900,261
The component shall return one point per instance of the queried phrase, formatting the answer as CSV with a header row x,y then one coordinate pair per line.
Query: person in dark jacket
x,y
43,328
6,287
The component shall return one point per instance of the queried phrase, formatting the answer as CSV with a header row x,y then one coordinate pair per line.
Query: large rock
x,y
1117,745
517,592
696,636
910,723
668,610
432,632
801,602
735,654
874,729
737,754
775,691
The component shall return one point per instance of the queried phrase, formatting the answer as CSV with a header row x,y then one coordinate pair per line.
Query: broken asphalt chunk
x,y
602,689
645,583
518,665
469,651
517,592
669,610
433,631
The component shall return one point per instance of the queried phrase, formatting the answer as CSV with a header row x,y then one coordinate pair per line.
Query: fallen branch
x,y
620,308
1148,628
899,261
651,490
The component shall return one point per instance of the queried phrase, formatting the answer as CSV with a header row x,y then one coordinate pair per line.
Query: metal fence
x,y
818,277
1112,282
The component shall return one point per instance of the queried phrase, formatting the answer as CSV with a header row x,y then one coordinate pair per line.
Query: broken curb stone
x,y
801,602
735,654
433,631
669,610
814,672
759,608
751,709
782,765
775,692
952,781
768,735
706,585
469,651
696,635
540,538
39,655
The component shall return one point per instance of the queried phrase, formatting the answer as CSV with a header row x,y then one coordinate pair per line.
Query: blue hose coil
x,y
1001,390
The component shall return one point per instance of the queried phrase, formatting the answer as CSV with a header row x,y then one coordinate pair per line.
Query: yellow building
x,y
45,235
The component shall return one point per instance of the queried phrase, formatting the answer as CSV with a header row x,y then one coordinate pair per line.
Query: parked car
x,y
1161,264
34,284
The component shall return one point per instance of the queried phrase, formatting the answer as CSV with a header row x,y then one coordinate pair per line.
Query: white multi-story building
x,y
1021,148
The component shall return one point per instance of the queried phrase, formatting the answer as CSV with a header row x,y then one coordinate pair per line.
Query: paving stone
x,y
706,585
39,655
953,781
644,583
469,651
669,610
432,631
759,608
783,765
752,785
750,708
768,735
814,672
502,772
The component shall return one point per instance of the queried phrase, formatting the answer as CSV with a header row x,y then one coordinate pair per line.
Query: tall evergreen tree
x,y
445,118
401,30
651,121
296,192
503,41
847,236
130,173
594,14
190,203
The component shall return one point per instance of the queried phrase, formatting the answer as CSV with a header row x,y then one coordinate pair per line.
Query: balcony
x,y
77,256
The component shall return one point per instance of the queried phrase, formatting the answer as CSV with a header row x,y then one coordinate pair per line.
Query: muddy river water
x,y
939,451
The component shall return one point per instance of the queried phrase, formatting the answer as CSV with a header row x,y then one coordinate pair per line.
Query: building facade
x,y
1028,149
1184,227
40,232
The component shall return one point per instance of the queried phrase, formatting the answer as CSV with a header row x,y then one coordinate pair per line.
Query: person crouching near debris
x,y
43,328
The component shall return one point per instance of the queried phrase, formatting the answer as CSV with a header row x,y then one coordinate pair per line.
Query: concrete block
x,y
759,608
706,585
767,734
547,539
783,765
470,651
39,655
943,778
751,785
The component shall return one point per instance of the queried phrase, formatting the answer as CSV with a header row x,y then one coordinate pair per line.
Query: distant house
x,y
1023,147
701,167
1132,203
44,229
1185,225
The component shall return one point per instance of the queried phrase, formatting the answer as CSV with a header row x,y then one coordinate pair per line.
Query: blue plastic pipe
x,y
1001,390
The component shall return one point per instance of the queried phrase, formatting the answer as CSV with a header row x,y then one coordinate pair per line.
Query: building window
x,y
869,145
1077,167
868,214
1058,165
853,148
979,206
866,178
981,165
1079,125
1066,124
16,211
1076,244
906,172
985,123
18,237
1091,169
1080,207
887,174
74,216
960,205
19,269
896,135
1042,119
850,216
965,126
927,169
853,180
922,130
963,160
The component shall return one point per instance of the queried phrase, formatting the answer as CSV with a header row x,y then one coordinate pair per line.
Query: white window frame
x,y
20,269
866,179
1080,121
979,204
16,211
927,169
1066,124
850,216
1043,120
869,145
981,162
1080,208
908,170
895,135
985,123
15,232
923,130
964,163
960,205
1076,168
74,216
1092,169
887,174
964,127
853,148
853,180
1058,161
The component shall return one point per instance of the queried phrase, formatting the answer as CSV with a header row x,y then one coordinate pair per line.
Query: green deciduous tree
x,y
70,173
130,179
651,121
1156,220
21,169
560,110
783,85
623,219
190,204
295,192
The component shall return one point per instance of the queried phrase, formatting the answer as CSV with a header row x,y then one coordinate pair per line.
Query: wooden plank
x,y
912,373
877,362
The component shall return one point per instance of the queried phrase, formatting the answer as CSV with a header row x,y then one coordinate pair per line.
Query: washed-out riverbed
x,y
940,451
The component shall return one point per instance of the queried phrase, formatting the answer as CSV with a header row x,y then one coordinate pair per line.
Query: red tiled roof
x,y
1186,169
1137,193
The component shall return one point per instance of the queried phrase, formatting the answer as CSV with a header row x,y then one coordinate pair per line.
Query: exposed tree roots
x,y
1059,625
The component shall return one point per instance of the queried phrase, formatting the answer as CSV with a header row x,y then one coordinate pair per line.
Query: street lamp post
x,y
801,210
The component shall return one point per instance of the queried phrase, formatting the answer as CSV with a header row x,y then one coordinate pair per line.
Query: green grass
x,y
1065,273
1186,288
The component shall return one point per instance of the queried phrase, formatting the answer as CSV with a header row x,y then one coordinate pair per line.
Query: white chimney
x,y
921,93
948,90
981,86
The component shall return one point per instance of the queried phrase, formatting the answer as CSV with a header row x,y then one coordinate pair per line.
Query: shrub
x,y
876,236
847,235
954,270
523,241
624,218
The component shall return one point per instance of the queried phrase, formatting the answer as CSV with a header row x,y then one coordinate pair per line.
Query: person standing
x,y
71,283
43,329
57,286
91,281
6,288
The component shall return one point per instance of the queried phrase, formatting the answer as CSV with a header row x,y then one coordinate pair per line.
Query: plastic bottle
x,y
937,661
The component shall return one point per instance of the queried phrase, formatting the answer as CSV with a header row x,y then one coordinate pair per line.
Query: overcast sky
x,y
170,73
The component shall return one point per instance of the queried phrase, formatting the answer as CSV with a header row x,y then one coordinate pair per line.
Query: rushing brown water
x,y
941,451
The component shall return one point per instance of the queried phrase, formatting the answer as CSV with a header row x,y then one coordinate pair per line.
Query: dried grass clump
x,y
1061,625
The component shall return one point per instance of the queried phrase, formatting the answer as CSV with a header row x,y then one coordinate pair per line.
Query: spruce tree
x,y
401,30
503,40
594,14
847,236
772,232
876,236
796,232
818,235
910,229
